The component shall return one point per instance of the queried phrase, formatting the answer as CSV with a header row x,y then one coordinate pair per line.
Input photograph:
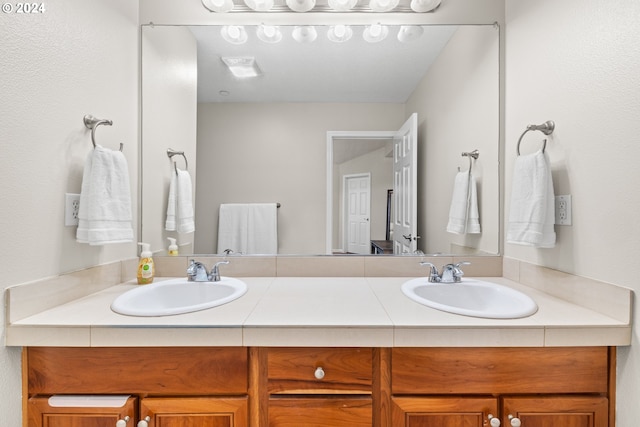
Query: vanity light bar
x,y
307,6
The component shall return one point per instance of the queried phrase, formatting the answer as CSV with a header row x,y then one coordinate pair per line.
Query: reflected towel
x,y
180,204
248,228
105,199
463,212
532,211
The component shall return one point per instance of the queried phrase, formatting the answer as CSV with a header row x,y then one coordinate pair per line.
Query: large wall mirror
x,y
264,139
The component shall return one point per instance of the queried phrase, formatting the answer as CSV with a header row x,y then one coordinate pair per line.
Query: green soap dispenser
x,y
146,268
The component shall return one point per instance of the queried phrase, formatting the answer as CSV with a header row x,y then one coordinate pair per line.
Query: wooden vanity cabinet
x,y
325,387
195,411
42,414
319,387
174,387
541,387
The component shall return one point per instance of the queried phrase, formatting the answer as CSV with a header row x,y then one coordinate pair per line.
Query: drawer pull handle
x,y
145,422
123,422
319,373
515,422
493,421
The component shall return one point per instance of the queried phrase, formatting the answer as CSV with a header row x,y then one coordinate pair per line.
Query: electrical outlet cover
x,y
71,209
563,210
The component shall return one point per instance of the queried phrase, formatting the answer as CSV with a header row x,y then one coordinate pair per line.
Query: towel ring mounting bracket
x,y
546,128
92,123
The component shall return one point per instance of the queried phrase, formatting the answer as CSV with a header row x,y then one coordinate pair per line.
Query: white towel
x,y
180,204
532,212
248,228
463,212
105,199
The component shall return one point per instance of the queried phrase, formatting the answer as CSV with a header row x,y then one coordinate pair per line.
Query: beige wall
x,y
169,104
262,153
577,62
78,57
458,110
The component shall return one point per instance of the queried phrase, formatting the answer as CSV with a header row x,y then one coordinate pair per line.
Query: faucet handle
x,y
215,270
433,272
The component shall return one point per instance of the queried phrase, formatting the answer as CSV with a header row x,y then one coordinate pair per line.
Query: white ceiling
x,y
322,71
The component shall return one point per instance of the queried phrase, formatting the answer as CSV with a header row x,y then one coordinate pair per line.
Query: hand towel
x,y
105,199
180,204
532,211
232,227
248,228
463,212
170,223
262,228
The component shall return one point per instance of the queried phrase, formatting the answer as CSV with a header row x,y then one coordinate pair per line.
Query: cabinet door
x,y
443,412
195,412
330,411
41,414
565,411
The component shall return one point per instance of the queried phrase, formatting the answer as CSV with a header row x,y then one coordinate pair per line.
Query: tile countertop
x,y
324,311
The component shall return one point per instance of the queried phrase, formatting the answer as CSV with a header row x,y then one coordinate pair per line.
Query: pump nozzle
x,y
173,248
146,250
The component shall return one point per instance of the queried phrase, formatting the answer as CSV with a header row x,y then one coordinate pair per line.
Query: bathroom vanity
x,y
338,387
321,351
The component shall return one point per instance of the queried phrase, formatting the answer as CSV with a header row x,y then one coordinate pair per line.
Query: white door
x,y
405,191
358,209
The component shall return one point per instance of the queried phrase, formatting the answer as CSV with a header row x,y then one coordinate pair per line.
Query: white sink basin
x,y
178,296
471,298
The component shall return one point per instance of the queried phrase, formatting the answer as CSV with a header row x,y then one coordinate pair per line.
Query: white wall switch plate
x,y
563,210
71,209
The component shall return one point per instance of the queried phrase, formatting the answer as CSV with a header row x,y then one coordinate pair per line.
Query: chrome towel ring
x,y
92,123
547,128
171,152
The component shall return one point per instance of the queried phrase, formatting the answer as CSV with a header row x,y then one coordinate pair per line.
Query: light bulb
x,y
342,5
269,33
301,5
409,33
340,33
375,33
424,5
220,6
304,34
234,34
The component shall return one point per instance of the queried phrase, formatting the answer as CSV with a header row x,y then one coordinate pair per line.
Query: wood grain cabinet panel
x,y
443,412
41,414
555,411
499,370
195,412
344,370
148,370
328,411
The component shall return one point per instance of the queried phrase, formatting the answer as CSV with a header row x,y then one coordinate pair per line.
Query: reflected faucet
x,y
451,273
197,272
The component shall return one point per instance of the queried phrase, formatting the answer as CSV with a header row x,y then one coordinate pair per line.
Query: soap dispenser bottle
x,y
173,248
146,268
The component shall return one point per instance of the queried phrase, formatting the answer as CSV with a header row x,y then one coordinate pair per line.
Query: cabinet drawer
x,y
321,412
499,370
136,370
319,370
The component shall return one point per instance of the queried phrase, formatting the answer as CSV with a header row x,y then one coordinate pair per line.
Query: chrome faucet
x,y
451,273
215,271
197,272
